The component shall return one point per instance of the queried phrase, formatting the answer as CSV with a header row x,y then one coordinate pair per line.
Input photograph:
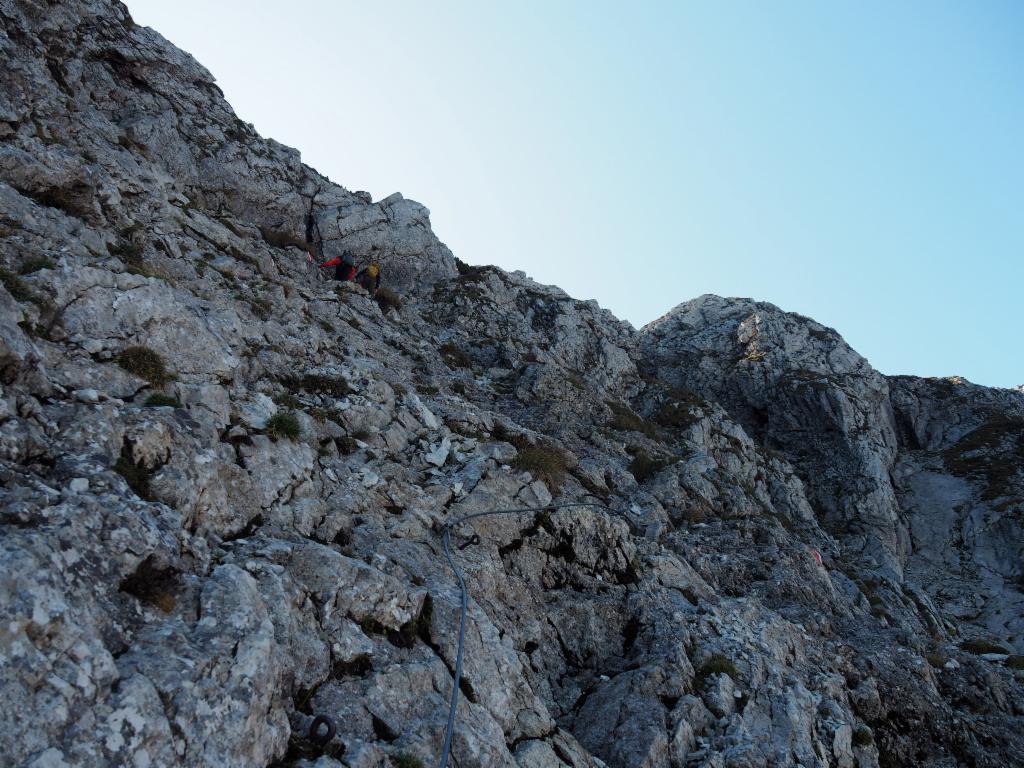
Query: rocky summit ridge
x,y
223,478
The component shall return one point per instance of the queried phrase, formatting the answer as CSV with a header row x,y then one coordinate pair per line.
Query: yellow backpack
x,y
373,270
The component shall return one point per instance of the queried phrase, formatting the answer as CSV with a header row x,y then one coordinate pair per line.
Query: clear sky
x,y
858,162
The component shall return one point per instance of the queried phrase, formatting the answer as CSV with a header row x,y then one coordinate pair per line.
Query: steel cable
x,y
464,608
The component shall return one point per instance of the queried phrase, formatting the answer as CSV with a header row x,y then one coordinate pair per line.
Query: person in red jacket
x,y
344,266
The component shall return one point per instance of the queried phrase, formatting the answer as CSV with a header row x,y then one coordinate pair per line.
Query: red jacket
x,y
341,271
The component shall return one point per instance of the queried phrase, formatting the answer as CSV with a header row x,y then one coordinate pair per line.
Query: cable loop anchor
x,y
322,739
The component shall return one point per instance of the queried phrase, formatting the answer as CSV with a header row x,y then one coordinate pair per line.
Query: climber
x,y
369,278
344,267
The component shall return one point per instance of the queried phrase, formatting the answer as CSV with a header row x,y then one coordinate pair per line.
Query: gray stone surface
x,y
812,564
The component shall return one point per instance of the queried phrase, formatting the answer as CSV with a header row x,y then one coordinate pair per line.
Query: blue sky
x,y
861,163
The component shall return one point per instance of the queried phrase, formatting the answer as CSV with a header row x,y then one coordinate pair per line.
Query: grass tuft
x,y
161,401
862,736
318,384
35,264
405,760
130,253
644,467
717,664
145,363
283,424
454,357
17,287
544,462
388,300
625,420
979,647
936,659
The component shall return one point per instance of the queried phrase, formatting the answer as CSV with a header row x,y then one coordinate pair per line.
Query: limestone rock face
x,y
796,386
223,478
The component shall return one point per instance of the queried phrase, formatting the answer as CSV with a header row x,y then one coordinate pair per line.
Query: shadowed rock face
x,y
822,566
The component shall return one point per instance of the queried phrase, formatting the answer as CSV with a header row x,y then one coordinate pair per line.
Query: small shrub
x,y
405,760
543,521
35,264
283,424
387,300
862,736
286,400
991,453
936,659
454,357
318,384
624,420
979,647
260,306
694,515
675,414
145,363
131,254
1015,662
346,445
159,401
17,287
643,467
74,200
546,463
717,664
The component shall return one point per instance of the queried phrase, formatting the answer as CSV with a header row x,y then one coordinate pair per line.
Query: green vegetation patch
x,y
679,407
160,401
454,357
35,264
625,420
993,453
283,424
387,300
716,665
130,252
936,659
644,467
544,462
319,384
17,287
261,306
405,760
145,363
862,736
979,647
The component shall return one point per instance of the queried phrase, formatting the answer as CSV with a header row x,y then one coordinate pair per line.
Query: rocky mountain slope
x,y
222,480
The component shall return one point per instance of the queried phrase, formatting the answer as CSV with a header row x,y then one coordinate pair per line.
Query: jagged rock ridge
x,y
825,568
